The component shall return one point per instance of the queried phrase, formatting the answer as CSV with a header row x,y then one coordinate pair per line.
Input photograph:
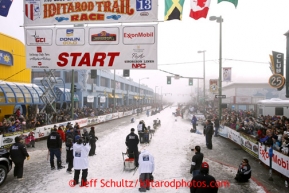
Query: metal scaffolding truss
x,y
49,96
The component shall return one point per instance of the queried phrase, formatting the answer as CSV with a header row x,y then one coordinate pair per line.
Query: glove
x,y
28,158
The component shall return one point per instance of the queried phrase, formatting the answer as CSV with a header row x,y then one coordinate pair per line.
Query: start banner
x,y
113,47
48,12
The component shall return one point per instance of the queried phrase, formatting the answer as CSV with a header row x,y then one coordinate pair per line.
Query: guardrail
x,y
40,132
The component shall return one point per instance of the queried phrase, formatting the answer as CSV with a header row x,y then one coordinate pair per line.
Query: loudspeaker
x,y
125,73
93,74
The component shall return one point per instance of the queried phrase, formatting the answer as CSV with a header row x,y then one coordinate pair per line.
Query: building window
x,y
103,82
126,87
37,74
68,76
111,83
90,80
279,111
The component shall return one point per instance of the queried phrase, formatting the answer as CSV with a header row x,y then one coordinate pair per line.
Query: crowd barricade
x,y
44,131
280,162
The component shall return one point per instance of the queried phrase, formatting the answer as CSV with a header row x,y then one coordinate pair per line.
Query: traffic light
x,y
125,73
75,89
169,80
191,81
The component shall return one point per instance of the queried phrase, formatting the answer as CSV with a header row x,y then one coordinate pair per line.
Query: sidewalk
x,y
227,153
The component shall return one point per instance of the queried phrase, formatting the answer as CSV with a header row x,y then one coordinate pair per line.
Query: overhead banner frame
x,y
48,13
93,47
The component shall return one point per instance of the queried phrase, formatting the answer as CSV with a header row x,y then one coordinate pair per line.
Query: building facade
x,y
95,90
15,88
244,96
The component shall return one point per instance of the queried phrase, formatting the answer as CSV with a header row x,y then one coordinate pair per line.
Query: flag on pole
x,y
235,2
227,72
199,8
173,9
4,7
214,85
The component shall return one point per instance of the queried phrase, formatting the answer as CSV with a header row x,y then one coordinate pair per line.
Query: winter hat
x,y
205,165
77,137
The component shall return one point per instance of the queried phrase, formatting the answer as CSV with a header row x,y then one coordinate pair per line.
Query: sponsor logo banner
x,y
101,118
108,117
114,115
122,47
120,114
249,145
279,161
223,131
234,136
47,12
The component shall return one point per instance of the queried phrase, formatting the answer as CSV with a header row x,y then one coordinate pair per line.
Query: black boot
x,y
52,165
59,166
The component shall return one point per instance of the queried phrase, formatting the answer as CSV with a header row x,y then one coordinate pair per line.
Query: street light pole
x,y
219,20
204,72
72,94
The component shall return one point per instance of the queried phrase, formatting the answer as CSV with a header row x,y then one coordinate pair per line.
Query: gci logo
x,y
138,65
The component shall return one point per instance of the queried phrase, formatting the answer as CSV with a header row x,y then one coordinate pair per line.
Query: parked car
x,y
5,165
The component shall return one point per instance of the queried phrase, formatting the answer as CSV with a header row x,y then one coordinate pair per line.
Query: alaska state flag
x,y
4,7
174,9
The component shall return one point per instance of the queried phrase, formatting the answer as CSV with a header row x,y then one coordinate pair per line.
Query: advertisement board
x,y
223,131
280,162
234,136
249,144
47,12
118,47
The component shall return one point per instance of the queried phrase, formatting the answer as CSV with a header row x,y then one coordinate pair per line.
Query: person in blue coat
x,y
194,122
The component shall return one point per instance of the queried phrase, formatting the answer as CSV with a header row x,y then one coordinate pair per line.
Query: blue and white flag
x,y
4,7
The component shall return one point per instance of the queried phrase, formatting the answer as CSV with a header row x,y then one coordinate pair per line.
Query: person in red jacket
x,y
30,140
61,133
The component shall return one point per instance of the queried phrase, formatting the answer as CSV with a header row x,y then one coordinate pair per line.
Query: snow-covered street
x,y
170,146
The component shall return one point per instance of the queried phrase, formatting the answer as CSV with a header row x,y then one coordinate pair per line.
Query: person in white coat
x,y
146,168
80,161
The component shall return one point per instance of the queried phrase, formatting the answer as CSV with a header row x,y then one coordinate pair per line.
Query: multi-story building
x,y
96,89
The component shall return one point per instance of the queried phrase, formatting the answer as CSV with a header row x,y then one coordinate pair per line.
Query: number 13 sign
x,y
276,81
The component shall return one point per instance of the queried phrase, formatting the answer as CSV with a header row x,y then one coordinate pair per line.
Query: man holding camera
x,y
197,161
80,162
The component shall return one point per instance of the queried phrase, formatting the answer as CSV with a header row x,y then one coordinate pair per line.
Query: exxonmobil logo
x,y
138,65
139,35
275,159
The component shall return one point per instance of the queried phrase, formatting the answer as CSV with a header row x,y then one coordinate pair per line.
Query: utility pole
x,y
114,91
72,94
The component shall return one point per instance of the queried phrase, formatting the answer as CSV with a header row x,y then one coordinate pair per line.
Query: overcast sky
x,y
250,33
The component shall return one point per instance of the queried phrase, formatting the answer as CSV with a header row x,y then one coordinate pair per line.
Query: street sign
x,y
220,96
276,81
